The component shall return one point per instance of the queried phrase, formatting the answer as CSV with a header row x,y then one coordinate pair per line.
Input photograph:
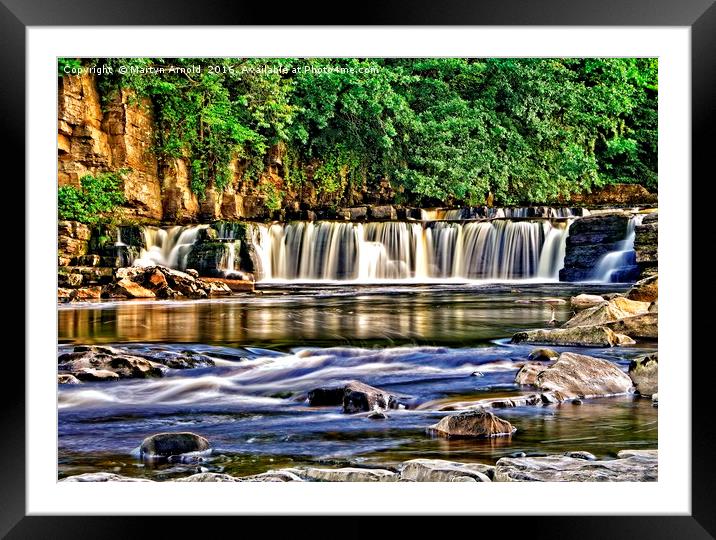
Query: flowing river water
x,y
441,346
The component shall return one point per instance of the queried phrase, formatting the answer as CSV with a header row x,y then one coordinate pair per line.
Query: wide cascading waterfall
x,y
620,264
167,247
495,250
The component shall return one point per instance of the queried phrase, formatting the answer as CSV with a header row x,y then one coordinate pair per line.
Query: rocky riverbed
x,y
332,400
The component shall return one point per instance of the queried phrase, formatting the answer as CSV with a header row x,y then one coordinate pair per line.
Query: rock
x,y
527,375
91,374
581,454
227,286
173,444
508,403
584,301
208,477
580,376
644,372
543,355
590,238
646,245
349,474
655,398
645,290
383,212
377,415
439,470
69,280
193,273
355,397
66,378
357,214
614,310
638,326
623,340
102,477
87,293
89,362
593,336
560,468
179,359
640,453
126,288
281,475
654,307
616,195
478,423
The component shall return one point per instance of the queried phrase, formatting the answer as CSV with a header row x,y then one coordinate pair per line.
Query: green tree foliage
x,y
449,130
92,202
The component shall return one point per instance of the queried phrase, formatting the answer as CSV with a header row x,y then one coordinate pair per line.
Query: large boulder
x,y
440,470
479,423
561,468
580,376
584,301
614,310
644,326
355,397
92,362
527,375
591,336
646,290
163,445
126,288
644,372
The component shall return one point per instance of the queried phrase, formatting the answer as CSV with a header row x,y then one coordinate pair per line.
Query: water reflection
x,y
424,316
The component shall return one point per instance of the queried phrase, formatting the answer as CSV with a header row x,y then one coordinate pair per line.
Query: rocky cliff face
x,y
646,245
94,137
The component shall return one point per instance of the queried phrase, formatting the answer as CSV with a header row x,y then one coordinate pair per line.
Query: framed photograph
x,y
404,268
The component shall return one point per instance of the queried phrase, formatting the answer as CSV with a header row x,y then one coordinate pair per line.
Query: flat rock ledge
x,y
578,466
630,466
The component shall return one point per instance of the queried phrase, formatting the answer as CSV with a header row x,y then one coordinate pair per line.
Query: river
x,y
440,346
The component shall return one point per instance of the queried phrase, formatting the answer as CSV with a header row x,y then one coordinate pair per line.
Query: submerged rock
x,y
439,470
179,359
593,336
66,378
173,444
580,376
581,454
91,362
560,468
542,355
478,423
644,372
355,397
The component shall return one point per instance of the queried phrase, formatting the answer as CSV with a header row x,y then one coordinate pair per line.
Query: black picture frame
x,y
699,15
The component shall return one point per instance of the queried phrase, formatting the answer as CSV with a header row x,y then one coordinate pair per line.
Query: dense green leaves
x,y
442,130
96,197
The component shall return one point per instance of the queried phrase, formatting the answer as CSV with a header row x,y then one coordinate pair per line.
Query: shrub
x,y
90,203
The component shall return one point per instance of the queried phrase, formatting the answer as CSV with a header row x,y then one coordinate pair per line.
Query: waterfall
x,y
167,247
621,261
496,250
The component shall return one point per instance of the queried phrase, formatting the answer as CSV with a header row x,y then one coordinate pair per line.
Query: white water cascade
x,y
497,250
167,247
623,258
